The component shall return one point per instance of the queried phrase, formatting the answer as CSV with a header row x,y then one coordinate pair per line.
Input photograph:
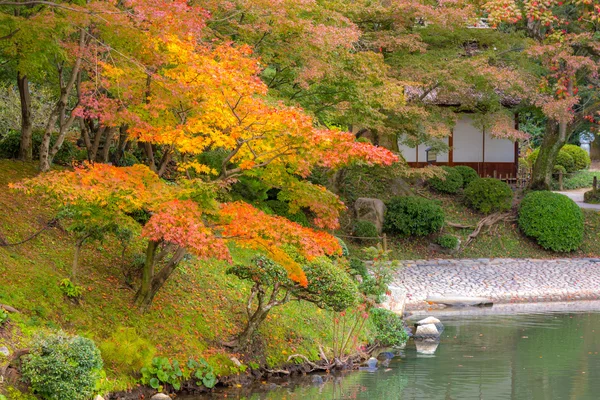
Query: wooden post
x,y
385,246
560,180
595,183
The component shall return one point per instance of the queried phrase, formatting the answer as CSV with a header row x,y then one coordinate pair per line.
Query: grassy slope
x,y
503,240
199,307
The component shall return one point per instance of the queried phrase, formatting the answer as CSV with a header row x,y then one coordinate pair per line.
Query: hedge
x,y
413,215
451,182
488,194
553,220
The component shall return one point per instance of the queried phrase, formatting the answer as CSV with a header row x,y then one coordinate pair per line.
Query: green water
x,y
532,356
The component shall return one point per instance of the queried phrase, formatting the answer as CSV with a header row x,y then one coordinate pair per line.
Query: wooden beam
x,y
451,150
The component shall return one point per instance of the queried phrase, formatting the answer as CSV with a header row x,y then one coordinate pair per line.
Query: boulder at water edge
x,y
427,331
432,320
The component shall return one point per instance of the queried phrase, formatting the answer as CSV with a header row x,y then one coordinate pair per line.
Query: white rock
x,y
372,362
98,397
4,351
427,331
236,362
396,301
160,396
429,320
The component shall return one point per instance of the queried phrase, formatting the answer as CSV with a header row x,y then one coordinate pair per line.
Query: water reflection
x,y
534,356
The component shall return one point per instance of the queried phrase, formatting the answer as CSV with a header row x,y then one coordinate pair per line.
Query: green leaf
x,y
209,380
154,383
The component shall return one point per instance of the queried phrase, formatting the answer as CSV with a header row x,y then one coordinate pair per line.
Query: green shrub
x,y
329,286
125,350
581,158
282,209
365,229
389,327
448,241
591,197
69,289
450,183
3,316
344,246
62,367
489,194
563,158
553,220
11,142
413,215
468,174
358,267
559,169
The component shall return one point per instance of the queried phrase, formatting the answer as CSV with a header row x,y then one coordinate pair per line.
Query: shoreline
x,y
502,280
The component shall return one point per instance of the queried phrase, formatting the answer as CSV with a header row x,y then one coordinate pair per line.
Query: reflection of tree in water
x,y
350,385
517,357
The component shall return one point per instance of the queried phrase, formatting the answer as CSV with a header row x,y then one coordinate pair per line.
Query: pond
x,y
542,355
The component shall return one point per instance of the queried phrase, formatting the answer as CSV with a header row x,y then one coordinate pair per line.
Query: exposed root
x,y
459,226
9,309
313,365
488,222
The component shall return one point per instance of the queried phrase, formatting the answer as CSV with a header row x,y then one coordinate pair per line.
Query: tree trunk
x,y
59,112
75,267
119,152
253,323
152,283
107,142
554,139
26,147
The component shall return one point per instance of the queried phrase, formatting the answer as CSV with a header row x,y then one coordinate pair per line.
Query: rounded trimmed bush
x,y
581,158
488,194
559,169
448,241
61,367
365,229
451,183
553,220
413,216
564,159
468,174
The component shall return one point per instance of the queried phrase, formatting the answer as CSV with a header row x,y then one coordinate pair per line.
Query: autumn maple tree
x,y
566,51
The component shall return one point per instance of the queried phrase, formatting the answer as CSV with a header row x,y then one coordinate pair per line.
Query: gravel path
x,y
502,280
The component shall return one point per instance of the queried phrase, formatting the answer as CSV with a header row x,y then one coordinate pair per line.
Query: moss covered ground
x,y
199,308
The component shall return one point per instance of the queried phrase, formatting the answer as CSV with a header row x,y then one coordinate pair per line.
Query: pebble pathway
x,y
503,280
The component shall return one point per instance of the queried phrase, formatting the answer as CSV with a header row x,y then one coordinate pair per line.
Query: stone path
x,y
502,280
577,197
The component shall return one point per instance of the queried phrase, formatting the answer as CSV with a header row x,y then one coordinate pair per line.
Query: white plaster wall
x,y
409,153
499,150
467,141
